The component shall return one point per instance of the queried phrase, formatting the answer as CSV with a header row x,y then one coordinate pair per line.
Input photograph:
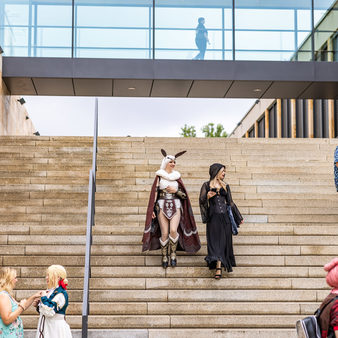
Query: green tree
x,y
210,131
188,131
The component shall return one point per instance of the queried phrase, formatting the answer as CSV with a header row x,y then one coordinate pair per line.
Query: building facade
x,y
290,118
304,118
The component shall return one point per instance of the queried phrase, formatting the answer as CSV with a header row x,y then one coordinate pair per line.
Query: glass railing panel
x,y
113,29
271,30
30,28
196,30
325,32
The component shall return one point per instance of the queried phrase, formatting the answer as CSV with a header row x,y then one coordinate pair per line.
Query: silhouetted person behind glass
x,y
201,39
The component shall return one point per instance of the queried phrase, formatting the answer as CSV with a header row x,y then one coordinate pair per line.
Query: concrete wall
x,y
12,114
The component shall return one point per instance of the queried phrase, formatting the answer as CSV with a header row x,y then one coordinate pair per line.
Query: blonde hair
x,y
6,277
216,179
56,273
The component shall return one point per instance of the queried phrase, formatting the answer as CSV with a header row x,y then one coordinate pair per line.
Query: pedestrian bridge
x,y
170,78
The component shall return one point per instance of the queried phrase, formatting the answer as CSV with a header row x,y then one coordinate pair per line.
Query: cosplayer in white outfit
x,y
53,304
169,204
170,223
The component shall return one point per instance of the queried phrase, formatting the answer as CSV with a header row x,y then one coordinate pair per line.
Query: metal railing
x,y
90,224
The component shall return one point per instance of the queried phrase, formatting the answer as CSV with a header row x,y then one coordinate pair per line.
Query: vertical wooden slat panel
x,y
279,118
293,119
246,134
256,129
310,117
267,129
330,106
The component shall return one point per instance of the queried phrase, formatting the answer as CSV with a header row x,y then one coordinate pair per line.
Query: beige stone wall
x,y
12,114
251,117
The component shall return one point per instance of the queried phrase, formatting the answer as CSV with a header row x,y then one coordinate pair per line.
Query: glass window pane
x,y
258,40
54,15
264,19
16,36
326,25
271,30
193,31
112,16
54,37
26,25
112,38
51,52
16,14
118,30
263,56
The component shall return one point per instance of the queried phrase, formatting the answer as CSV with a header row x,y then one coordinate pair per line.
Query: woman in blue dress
x,y
53,304
10,309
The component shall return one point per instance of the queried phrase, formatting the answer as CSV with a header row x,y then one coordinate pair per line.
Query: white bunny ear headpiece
x,y
168,158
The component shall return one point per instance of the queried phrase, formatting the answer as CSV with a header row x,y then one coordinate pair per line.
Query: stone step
x,y
247,229
128,250
181,272
184,260
133,283
204,308
177,321
167,333
130,240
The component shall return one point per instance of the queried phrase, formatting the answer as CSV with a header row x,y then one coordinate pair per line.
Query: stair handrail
x,y
90,224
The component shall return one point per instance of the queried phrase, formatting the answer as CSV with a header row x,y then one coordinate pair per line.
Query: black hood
x,y
214,169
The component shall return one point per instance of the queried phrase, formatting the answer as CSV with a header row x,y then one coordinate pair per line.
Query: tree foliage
x,y
210,130
188,131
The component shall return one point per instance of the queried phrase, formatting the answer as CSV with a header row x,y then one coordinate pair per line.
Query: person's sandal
x,y
218,275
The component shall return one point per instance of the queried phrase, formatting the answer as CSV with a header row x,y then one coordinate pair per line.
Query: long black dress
x,y
219,234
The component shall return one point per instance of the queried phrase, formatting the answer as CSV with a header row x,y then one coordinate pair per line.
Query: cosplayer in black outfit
x,y
215,195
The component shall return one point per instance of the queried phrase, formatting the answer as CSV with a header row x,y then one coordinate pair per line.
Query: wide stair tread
x,y
284,188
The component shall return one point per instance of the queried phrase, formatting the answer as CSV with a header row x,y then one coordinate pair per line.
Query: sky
x,y
160,117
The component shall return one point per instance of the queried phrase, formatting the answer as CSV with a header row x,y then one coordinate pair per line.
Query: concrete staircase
x,y
284,189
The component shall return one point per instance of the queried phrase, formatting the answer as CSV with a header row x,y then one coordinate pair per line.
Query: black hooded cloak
x,y
214,214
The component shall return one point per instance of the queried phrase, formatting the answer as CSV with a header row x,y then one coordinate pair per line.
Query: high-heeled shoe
x,y
218,275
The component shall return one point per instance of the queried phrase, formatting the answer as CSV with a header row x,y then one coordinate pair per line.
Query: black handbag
x,y
309,326
236,219
234,226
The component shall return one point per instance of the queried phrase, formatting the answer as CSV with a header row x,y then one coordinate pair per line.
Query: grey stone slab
x,y
101,333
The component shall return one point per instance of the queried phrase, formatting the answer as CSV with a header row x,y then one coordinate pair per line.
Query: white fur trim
x,y
46,310
147,230
165,242
174,239
190,233
175,175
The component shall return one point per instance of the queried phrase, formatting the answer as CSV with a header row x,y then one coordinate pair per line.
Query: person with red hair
x,y
328,319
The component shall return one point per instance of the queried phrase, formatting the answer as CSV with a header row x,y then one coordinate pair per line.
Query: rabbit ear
x,y
164,153
180,153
